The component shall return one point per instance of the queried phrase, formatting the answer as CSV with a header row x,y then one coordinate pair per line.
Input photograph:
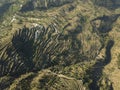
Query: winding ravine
x,y
96,71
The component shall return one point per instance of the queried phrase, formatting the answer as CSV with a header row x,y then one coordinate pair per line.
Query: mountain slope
x,y
76,47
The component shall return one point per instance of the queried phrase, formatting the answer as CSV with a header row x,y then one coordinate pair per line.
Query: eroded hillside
x,y
60,45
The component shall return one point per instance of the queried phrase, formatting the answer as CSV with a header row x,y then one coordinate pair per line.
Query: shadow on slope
x,y
33,49
96,72
104,24
43,4
4,8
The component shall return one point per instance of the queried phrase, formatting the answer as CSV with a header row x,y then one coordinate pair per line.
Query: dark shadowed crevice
x,y
96,71
105,25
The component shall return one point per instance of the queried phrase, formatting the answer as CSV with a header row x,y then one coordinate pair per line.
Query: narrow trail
x,y
96,73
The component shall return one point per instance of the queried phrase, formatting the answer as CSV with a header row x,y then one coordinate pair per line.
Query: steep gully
x,y
95,72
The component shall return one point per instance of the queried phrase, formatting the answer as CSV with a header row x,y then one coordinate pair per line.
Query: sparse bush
x,y
118,62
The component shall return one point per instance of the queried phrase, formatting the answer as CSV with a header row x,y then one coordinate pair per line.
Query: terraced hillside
x,y
59,45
